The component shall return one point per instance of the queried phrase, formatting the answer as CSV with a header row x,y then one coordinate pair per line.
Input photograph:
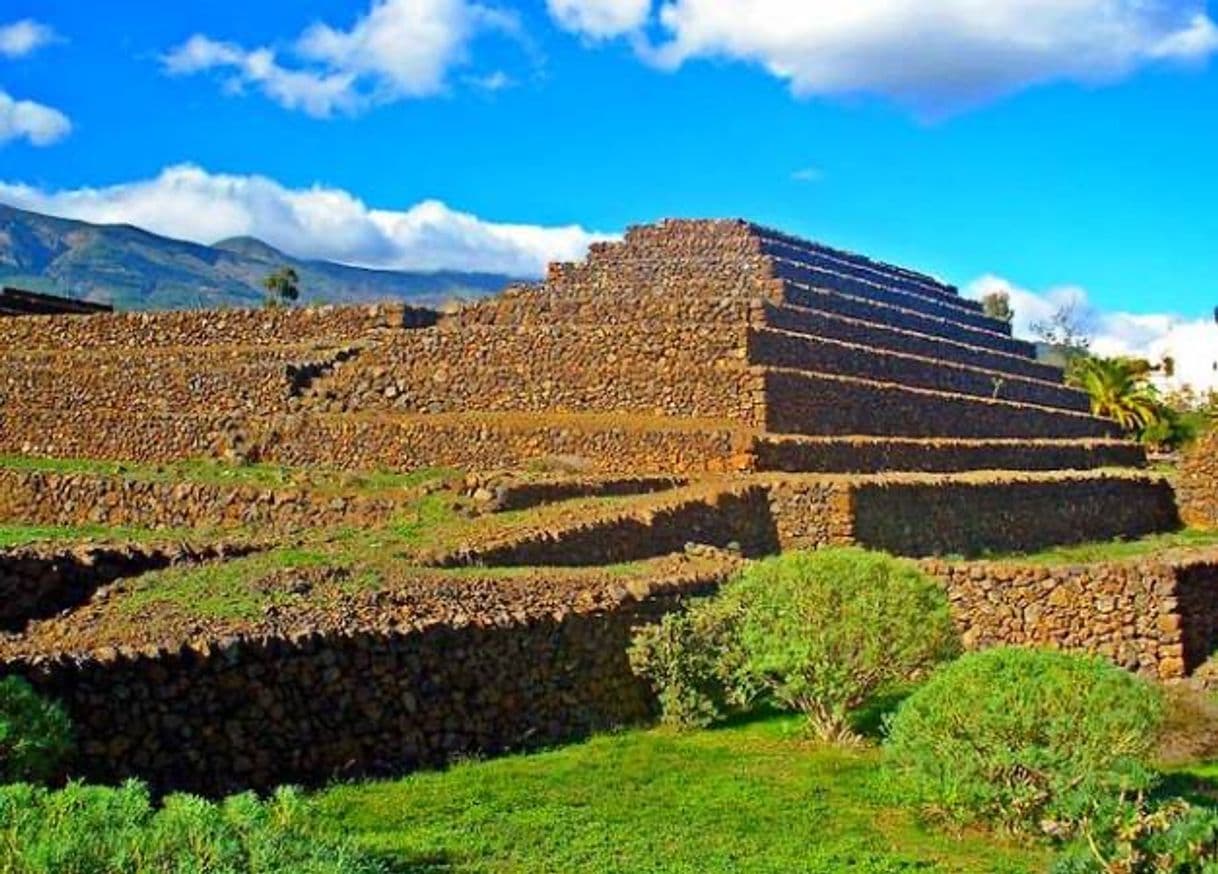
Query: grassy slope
x,y
1116,550
754,797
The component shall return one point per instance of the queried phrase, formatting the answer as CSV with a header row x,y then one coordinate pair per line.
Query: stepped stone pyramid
x,y
873,397
832,362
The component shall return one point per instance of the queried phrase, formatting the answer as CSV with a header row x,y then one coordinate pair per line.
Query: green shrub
x,y
1024,739
817,632
692,661
102,830
823,632
1141,836
35,735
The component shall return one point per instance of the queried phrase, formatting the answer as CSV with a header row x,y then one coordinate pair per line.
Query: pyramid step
x,y
840,304
799,320
793,271
799,454
818,254
803,402
777,348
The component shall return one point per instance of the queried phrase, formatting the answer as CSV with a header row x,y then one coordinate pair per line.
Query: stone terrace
x,y
690,347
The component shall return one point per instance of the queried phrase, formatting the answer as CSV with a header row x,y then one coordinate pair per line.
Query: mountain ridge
x,y
136,269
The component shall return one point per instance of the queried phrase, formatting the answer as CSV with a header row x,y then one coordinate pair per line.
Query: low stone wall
x,y
506,491
1157,616
734,516
368,442
931,307
904,515
807,403
41,580
848,330
782,349
194,328
906,320
1197,483
972,515
879,454
650,367
44,498
461,667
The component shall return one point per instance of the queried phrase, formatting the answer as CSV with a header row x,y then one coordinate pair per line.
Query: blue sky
x,y
1051,143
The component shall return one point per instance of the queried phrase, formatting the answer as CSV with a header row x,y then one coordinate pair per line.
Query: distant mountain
x,y
137,270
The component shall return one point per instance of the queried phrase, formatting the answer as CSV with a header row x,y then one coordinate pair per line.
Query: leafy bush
x,y
1024,739
692,661
35,735
1141,836
818,632
102,830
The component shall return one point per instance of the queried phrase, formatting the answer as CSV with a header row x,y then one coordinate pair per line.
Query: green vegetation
x,y
219,473
1114,550
34,734
23,535
879,622
757,797
282,287
236,589
103,830
1033,741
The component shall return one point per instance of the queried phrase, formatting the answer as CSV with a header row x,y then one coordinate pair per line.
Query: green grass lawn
x,y
753,797
22,535
1113,550
219,473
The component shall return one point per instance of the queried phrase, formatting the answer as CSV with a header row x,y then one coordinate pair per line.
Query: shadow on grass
x,y
869,720
417,864
1193,788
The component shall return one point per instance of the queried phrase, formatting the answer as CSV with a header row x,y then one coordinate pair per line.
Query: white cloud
x,y
25,119
400,49
1192,343
934,56
600,19
24,37
808,174
188,202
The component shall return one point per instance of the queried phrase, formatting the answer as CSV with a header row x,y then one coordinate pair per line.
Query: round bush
x,y
817,632
690,660
1024,739
35,735
823,632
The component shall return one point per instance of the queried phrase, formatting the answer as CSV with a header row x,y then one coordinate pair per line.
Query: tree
x,y
282,287
997,305
1120,390
1065,331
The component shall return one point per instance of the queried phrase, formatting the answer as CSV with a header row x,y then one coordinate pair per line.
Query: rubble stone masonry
x,y
1197,483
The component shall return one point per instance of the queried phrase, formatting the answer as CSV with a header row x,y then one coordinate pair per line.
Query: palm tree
x,y
1119,390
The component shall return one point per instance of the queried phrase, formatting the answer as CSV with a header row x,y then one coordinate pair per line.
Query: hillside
x,y
137,270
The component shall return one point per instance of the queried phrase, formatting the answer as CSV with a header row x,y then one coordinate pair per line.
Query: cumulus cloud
x,y
1192,343
600,19
399,49
25,119
24,37
188,202
932,56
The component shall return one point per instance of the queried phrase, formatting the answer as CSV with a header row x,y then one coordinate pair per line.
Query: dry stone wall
x,y
789,350
470,665
1197,483
41,580
194,328
974,514
811,403
880,336
1156,616
43,498
877,455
